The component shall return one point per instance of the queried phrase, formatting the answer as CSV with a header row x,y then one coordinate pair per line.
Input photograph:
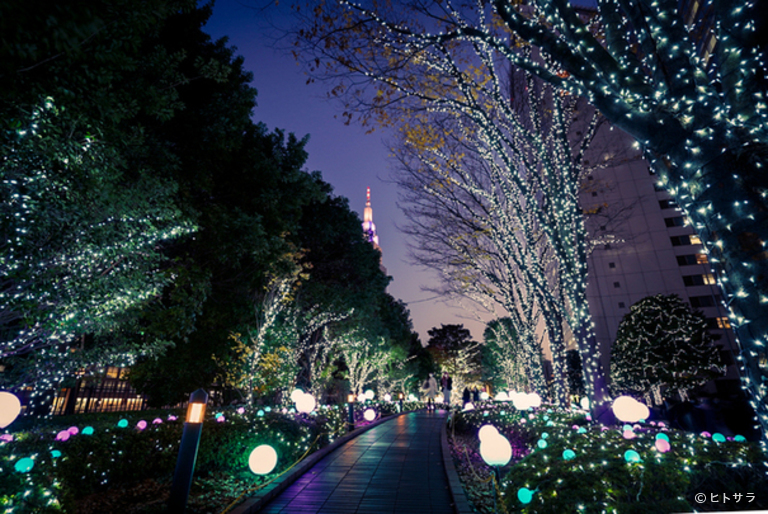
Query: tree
x,y
700,118
504,364
454,352
662,347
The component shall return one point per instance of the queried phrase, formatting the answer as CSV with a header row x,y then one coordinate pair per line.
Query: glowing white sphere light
x,y
496,450
629,410
305,403
262,459
10,408
369,414
387,397
296,394
486,432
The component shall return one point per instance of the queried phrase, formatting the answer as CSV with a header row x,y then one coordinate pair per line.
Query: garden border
x,y
254,504
461,504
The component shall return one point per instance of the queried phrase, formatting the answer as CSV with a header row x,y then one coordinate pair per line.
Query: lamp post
x,y
351,420
401,396
190,441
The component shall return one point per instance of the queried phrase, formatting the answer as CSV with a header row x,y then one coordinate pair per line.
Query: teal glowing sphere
x,y
631,456
569,454
662,435
24,465
268,409
88,431
718,437
550,424
503,413
122,423
485,414
581,430
545,418
260,413
55,454
544,435
525,495
541,443
739,438
626,427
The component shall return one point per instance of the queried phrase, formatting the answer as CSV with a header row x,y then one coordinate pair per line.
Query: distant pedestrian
x,y
430,389
465,397
475,394
447,384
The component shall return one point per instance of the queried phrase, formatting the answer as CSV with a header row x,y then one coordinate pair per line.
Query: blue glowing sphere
x,y
88,431
718,437
260,413
544,435
541,443
55,454
525,495
122,423
569,454
662,435
631,456
581,430
739,438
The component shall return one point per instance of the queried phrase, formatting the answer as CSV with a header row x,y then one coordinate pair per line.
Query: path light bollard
x,y
351,420
190,441
401,396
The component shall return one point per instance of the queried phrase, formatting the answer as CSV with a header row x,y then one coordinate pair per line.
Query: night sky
x,y
348,158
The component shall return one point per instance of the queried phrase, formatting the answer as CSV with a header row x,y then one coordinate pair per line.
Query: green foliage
x,y
116,457
83,239
662,344
598,478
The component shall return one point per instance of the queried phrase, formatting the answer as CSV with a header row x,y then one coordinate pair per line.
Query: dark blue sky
x,y
348,158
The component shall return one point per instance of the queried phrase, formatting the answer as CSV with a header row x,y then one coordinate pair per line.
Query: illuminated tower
x,y
369,227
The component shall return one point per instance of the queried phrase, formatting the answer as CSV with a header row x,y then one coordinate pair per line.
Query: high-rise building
x,y
646,247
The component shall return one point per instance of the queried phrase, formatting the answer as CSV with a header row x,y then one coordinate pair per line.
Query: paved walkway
x,y
393,468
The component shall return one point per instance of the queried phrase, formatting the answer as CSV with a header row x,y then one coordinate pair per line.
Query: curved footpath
x,y
401,465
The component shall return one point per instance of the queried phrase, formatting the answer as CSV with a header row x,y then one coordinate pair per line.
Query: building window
x,y
667,204
621,305
616,284
702,301
721,322
691,259
677,221
611,265
685,240
699,280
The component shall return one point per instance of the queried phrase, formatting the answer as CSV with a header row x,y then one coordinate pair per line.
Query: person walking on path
x,y
430,388
447,383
